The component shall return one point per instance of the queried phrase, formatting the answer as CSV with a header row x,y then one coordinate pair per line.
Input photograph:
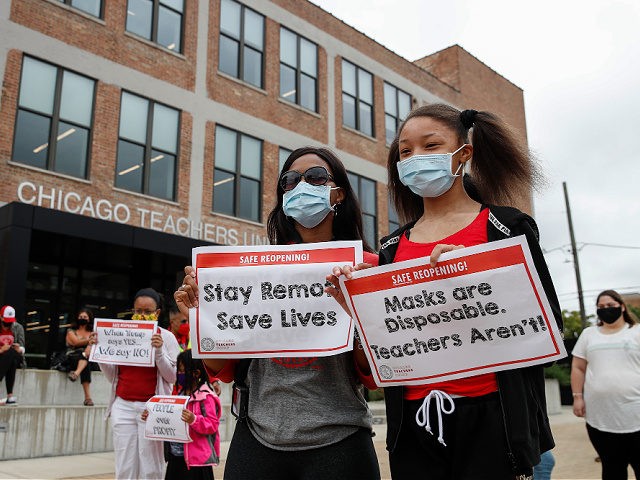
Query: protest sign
x,y
165,419
480,309
269,301
124,342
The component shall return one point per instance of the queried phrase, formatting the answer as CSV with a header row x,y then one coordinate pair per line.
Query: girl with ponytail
x,y
452,176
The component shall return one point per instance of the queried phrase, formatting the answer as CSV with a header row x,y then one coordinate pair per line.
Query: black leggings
x,y
9,362
351,458
617,451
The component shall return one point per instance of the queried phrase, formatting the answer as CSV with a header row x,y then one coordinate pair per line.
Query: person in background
x,y
179,326
605,381
492,426
131,387
11,351
77,340
306,416
194,460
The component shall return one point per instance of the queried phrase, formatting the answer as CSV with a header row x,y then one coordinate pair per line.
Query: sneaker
x,y
13,400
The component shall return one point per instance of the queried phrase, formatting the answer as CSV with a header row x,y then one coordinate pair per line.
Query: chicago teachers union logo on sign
x,y
207,344
386,372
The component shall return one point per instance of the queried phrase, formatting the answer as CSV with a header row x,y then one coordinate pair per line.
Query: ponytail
x,y
502,168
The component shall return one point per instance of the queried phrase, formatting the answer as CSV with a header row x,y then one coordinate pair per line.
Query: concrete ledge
x,y
52,430
51,387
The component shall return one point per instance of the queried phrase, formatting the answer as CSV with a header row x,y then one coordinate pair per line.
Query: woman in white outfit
x,y
605,380
131,387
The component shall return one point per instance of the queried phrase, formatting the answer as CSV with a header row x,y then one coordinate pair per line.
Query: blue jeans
x,y
542,471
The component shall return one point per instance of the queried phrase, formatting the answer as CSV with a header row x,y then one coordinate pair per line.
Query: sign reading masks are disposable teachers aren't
x,y
480,309
269,301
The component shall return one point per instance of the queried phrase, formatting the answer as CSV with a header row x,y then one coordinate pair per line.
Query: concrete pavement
x,y
575,457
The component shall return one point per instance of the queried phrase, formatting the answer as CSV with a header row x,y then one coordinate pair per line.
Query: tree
x,y
572,323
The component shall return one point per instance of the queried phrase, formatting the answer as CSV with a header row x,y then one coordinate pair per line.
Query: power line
x,y
580,245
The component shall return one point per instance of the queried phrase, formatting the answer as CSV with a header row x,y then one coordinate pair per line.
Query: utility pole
x,y
574,250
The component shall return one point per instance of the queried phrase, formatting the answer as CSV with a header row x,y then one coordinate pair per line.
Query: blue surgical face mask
x,y
429,175
308,204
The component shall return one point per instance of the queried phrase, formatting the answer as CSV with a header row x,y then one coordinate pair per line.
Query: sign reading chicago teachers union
x,y
269,301
480,309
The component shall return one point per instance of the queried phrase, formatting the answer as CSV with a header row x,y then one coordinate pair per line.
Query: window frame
x,y
357,189
69,4
358,100
237,176
55,119
155,15
397,118
299,72
241,44
148,148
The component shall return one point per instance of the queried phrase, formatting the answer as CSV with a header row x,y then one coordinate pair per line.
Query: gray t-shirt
x,y
304,403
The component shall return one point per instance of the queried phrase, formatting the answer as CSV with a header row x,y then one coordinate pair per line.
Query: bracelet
x,y
576,394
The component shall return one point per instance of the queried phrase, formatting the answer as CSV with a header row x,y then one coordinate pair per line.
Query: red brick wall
x,y
107,39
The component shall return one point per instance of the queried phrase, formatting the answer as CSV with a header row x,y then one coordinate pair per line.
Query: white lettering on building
x,y
103,209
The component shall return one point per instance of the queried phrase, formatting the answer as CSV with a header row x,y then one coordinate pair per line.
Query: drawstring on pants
x,y
422,415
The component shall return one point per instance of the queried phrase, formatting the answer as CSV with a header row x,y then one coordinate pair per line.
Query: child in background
x,y
194,460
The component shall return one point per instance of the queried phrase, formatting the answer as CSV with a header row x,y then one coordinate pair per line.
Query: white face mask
x,y
308,204
428,175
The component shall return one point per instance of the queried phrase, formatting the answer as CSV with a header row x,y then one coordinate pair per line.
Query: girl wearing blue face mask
x,y
306,417
494,426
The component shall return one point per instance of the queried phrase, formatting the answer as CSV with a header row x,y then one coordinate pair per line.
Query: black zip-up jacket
x,y
521,390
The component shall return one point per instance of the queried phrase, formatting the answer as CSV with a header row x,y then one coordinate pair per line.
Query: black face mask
x,y
609,314
6,325
82,321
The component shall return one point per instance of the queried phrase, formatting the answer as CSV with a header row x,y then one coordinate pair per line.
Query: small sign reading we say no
x,y
124,342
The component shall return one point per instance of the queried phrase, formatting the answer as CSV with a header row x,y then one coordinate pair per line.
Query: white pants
x,y
136,457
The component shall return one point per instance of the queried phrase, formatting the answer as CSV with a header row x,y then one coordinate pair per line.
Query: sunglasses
x,y
313,176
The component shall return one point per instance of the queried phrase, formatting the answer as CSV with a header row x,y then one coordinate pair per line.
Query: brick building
x,y
134,130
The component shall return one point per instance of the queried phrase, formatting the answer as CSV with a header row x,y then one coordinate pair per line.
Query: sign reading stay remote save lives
x,y
269,301
480,309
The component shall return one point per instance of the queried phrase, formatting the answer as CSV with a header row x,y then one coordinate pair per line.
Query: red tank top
x,y
473,234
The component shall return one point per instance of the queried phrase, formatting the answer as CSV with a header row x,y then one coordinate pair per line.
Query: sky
x,y
578,63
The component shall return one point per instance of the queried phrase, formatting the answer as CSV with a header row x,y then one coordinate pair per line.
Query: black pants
x,y
352,458
9,362
74,358
177,470
475,438
617,451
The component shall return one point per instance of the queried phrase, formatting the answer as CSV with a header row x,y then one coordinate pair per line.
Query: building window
x,y
357,98
92,7
54,120
394,221
283,154
160,21
365,190
241,42
237,179
397,105
298,70
147,147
